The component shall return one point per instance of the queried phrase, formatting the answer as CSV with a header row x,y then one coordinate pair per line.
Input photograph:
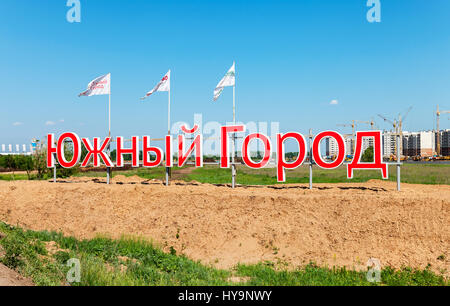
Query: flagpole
x,y
168,128
233,166
108,169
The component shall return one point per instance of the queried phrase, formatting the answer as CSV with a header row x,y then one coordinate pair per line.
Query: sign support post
x,y
54,173
233,160
108,169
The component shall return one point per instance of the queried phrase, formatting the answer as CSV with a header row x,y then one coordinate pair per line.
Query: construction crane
x,y
371,123
401,119
352,125
398,125
438,115
395,126
393,122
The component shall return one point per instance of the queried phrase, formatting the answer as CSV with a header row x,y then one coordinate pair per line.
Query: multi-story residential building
x,y
421,144
349,145
331,147
389,144
445,142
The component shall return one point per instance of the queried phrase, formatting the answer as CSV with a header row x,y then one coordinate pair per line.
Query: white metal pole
x,y
54,171
109,115
108,169
233,166
168,128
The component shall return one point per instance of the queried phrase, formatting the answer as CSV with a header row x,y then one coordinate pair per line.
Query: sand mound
x,y
9,278
127,179
334,224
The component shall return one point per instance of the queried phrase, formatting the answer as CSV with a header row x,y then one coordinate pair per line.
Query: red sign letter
x,y
134,151
318,156
96,152
281,162
146,154
51,150
224,153
76,150
169,154
378,159
267,151
197,144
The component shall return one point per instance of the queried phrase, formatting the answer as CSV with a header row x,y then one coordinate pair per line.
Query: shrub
x,y
367,156
24,163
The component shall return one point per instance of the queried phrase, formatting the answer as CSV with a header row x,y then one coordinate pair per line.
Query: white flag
x,y
228,80
99,86
163,85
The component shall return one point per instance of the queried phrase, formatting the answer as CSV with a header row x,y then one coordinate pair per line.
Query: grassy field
x,y
411,173
42,256
10,177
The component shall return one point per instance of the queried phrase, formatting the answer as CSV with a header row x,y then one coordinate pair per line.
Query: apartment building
x,y
421,144
331,147
445,142
389,144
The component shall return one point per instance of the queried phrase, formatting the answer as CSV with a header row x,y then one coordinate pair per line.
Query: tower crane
x,y
401,119
394,124
371,123
398,126
353,126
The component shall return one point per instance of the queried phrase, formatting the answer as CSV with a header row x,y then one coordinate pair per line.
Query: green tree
x,y
24,163
367,156
40,162
8,162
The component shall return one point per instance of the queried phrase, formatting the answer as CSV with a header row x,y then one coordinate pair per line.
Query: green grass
x,y
411,173
107,262
10,177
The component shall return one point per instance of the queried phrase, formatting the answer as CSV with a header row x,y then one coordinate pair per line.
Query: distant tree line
x,y
35,165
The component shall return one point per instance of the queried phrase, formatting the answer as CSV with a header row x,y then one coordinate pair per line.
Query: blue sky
x,y
292,59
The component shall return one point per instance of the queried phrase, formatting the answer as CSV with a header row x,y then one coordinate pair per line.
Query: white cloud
x,y
50,123
17,123
334,102
61,120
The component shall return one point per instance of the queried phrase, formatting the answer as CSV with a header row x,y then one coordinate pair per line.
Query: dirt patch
x,y
9,277
53,248
180,173
334,224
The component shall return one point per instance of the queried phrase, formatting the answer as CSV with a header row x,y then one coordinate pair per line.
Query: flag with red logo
x,y
163,85
99,86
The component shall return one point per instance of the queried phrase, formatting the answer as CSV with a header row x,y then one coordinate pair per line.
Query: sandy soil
x,y
9,277
334,224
